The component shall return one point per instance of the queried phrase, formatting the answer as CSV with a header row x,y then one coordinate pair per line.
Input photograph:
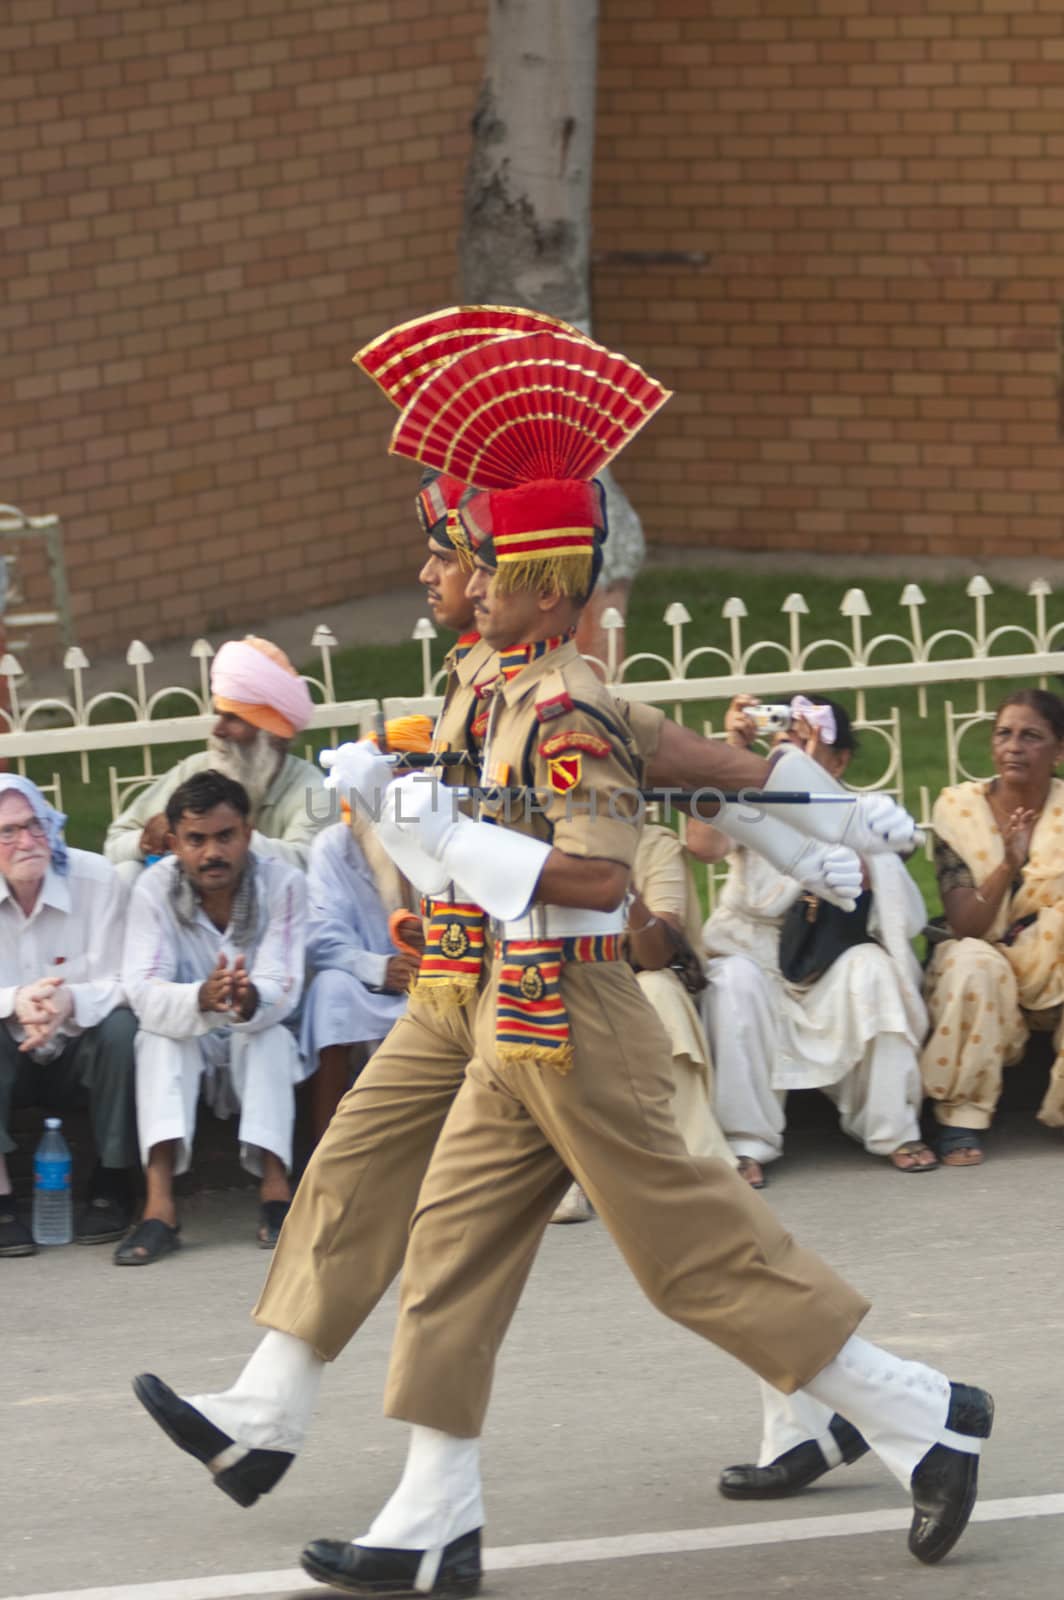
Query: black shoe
x,y
15,1238
360,1569
795,1469
945,1482
103,1221
109,1206
254,1474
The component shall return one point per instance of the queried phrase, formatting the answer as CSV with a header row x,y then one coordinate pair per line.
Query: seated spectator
x,y
360,979
67,1036
664,935
354,894
854,1032
999,858
262,703
213,967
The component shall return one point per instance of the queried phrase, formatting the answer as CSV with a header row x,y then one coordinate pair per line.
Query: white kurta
x,y
255,1064
348,946
854,1033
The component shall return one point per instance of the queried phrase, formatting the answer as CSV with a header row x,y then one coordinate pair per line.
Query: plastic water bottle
x,y
52,1211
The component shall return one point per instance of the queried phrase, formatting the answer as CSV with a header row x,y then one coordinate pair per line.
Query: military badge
x,y
564,753
532,985
592,744
564,772
454,942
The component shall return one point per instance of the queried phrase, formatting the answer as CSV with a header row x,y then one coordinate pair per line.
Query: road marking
x,y
237,1585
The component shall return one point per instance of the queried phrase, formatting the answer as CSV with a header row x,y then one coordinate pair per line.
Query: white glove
x,y
831,872
498,868
421,808
871,824
360,769
880,826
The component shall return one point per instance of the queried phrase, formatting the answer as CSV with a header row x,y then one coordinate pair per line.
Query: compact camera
x,y
770,719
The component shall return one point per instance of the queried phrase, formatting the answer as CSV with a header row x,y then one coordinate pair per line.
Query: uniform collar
x,y
468,666
513,690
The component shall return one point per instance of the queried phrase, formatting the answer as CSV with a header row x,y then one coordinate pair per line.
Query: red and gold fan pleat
x,y
545,405
402,359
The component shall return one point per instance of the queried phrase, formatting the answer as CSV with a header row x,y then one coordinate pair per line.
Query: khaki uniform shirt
x,y
460,708
554,729
644,726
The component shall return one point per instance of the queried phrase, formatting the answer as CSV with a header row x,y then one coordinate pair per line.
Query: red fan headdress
x,y
530,418
402,359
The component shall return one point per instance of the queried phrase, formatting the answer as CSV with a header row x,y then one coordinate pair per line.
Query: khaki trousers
x,y
344,1239
705,1249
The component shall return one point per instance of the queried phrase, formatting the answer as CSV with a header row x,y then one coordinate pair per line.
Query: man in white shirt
x,y
262,703
357,904
213,967
360,981
66,1030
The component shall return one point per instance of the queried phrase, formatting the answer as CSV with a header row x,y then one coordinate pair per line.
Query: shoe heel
x,y
231,1484
852,1444
253,1476
463,1575
458,1585
971,1411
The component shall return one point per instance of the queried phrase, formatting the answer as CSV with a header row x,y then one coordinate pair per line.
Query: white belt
x,y
560,922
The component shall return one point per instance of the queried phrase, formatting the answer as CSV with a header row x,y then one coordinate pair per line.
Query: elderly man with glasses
x,y
66,1034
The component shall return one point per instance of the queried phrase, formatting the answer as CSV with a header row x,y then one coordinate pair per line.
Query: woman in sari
x,y
854,1032
999,858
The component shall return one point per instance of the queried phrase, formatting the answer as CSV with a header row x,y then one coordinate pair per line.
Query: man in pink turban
x,y
262,704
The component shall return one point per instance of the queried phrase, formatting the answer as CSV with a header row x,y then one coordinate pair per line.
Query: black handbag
x,y
686,963
814,933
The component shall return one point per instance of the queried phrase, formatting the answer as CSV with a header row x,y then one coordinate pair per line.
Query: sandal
x,y
149,1241
752,1171
962,1155
271,1219
960,1147
910,1157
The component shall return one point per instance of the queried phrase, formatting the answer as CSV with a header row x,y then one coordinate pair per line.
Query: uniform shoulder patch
x,y
553,698
591,744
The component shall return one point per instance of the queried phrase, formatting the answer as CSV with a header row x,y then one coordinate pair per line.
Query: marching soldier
x,y
571,1066
345,1236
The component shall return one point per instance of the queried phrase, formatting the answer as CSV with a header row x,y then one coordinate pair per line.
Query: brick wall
x,y
832,225
205,207
860,303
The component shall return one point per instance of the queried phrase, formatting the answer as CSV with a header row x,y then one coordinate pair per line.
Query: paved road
x,y
608,1423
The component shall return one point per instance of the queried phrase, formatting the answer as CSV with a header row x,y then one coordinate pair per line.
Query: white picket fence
x,y
687,674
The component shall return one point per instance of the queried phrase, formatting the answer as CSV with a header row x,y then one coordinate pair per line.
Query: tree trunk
x,y
526,235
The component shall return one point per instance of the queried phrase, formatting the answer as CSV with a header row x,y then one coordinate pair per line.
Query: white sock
x,y
270,1405
438,1497
899,1406
788,1420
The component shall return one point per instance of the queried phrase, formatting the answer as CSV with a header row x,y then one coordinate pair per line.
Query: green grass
x,y
378,671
